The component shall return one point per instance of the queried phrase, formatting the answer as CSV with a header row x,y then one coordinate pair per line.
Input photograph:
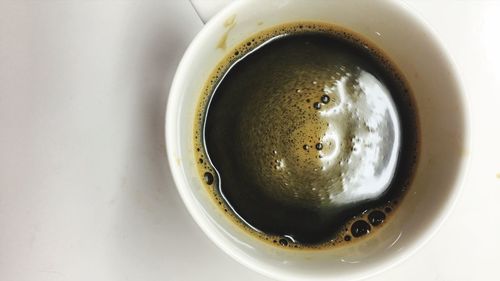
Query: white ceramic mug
x,y
416,50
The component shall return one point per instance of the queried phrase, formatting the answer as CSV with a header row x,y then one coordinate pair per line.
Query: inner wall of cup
x,y
441,112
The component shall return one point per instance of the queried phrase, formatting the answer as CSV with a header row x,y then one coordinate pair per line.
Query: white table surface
x,y
85,189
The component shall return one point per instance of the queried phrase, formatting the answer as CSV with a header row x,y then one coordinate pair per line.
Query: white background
x,y
85,189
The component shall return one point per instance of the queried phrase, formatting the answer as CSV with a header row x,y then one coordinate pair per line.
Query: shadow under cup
x,y
410,44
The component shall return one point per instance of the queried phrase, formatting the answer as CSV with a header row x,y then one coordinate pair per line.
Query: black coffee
x,y
307,136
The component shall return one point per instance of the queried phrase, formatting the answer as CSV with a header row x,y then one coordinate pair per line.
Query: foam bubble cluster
x,y
342,152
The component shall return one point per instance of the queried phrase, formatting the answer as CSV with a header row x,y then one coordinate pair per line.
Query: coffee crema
x,y
307,136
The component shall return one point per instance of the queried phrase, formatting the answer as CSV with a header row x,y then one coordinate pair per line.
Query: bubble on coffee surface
x,y
326,138
376,217
208,178
360,228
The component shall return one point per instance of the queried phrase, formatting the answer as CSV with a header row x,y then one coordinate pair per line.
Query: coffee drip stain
x,y
228,24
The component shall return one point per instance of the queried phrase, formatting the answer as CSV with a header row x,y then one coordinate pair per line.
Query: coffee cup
x,y
443,117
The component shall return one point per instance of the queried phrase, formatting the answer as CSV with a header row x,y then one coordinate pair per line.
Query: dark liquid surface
x,y
312,136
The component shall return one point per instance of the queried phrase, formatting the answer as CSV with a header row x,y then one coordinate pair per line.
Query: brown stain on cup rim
x,y
229,25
